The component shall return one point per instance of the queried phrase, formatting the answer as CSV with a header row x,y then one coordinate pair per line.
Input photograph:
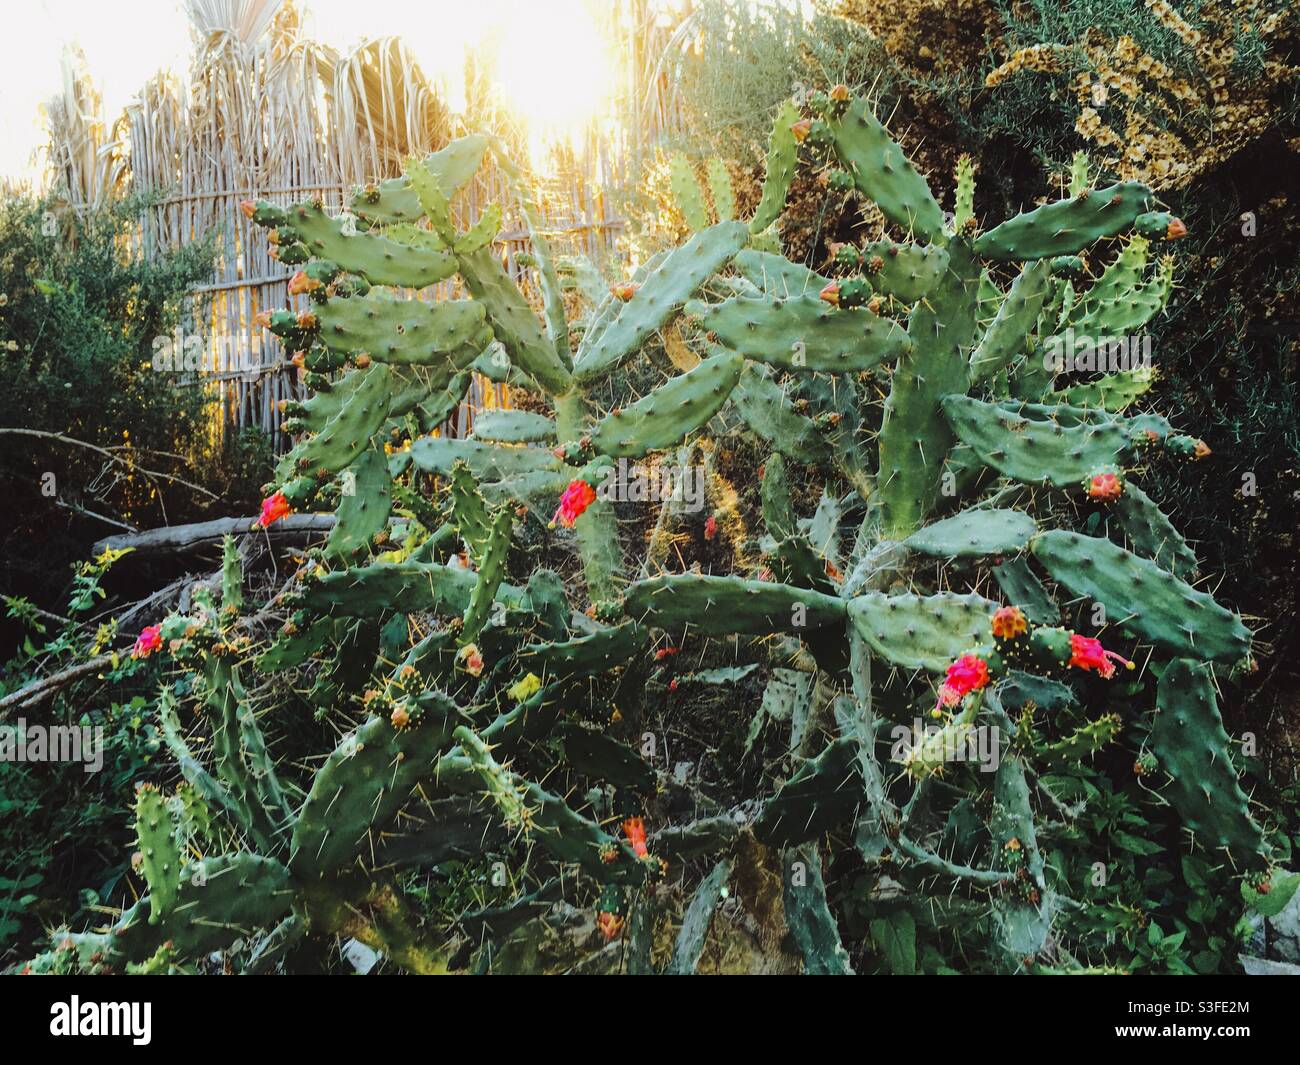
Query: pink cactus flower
x,y
576,499
969,673
1087,653
149,641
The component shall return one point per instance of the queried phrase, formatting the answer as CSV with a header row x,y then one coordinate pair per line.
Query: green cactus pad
x,y
440,402
1192,746
160,851
379,260
883,172
513,321
803,333
686,191
1035,452
400,331
767,409
1152,534
1017,316
224,898
482,233
501,426
364,782
775,275
914,438
365,511
1128,311
720,190
809,917
1113,393
671,412
659,298
491,554
906,271
975,533
583,656
824,792
921,631
488,462
1140,596
348,433
696,921
395,200
406,587
778,513
782,154
1022,588
729,605
1068,226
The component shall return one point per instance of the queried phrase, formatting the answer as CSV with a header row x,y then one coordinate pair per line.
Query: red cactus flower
x,y
576,499
610,925
1176,230
800,129
1009,622
1105,487
262,318
830,292
274,508
672,685
249,207
1087,653
149,641
710,527
664,652
634,829
623,291
969,673
1202,450
840,94
307,320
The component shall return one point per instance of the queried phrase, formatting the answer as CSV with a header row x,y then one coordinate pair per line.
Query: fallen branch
x,y
40,690
176,538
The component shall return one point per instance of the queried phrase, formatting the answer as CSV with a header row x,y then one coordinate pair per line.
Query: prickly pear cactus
x,y
467,705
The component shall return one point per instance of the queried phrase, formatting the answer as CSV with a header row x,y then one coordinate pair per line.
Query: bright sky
x,y
123,50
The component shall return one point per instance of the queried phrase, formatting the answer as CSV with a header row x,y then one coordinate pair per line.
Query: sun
x,y
553,67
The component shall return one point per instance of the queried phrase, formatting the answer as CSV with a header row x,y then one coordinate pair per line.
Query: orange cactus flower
x,y
610,925
1009,622
634,829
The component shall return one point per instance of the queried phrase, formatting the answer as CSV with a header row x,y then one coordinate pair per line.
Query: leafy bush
x,y
80,307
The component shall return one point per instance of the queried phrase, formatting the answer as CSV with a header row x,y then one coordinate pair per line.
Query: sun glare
x,y
553,66
550,64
